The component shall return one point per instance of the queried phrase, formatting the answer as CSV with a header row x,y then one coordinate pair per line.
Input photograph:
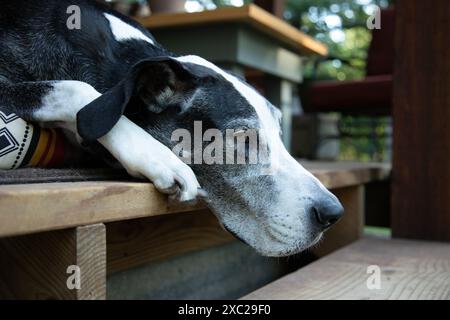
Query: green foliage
x,y
364,138
341,25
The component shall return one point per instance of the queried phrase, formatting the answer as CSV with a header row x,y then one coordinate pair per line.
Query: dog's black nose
x,y
328,212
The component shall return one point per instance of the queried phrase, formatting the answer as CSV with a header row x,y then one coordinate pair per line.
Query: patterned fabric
x,y
23,144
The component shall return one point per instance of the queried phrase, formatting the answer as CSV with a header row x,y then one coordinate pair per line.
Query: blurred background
x,y
342,26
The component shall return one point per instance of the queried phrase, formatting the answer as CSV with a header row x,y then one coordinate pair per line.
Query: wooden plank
x,y
343,174
251,14
409,270
35,266
138,242
421,150
43,207
350,227
51,206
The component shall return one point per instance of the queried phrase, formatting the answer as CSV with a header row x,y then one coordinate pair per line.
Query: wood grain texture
x,y
91,258
31,208
421,151
350,227
251,15
41,207
138,242
35,266
409,270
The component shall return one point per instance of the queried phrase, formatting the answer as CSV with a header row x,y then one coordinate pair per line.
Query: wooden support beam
x,y
281,93
421,152
36,266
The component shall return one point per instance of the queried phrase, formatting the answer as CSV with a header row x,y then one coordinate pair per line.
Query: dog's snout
x,y
327,212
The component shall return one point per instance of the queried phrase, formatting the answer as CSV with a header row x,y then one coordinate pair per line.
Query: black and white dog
x,y
110,82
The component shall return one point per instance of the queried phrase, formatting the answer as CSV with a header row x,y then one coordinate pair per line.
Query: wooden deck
x,y
107,227
409,270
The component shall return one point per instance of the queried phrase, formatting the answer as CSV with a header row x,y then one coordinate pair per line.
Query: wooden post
x,y
276,7
280,92
421,153
45,266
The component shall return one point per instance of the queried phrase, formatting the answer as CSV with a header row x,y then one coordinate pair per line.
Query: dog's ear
x,y
165,83
159,82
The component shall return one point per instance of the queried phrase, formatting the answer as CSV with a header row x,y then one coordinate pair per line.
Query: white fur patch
x,y
122,31
65,100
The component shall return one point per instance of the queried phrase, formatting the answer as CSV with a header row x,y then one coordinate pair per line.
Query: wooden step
x,y
38,207
409,270
114,226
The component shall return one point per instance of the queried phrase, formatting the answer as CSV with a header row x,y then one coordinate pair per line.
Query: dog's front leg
x,y
144,156
58,102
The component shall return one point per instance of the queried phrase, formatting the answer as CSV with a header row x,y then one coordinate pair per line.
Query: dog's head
x,y
257,190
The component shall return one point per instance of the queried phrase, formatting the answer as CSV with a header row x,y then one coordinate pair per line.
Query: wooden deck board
x,y
409,270
34,208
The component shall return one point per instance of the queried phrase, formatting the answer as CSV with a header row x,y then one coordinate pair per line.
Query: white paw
x,y
145,157
168,173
